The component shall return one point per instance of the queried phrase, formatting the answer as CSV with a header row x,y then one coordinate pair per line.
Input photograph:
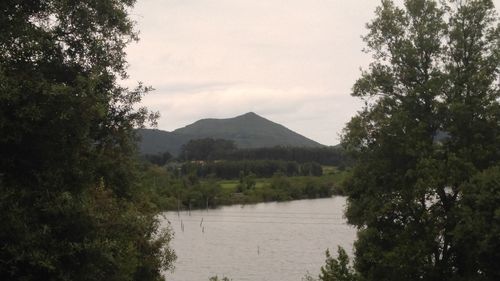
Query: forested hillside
x,y
247,131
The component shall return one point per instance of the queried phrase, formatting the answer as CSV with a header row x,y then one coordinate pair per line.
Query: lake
x,y
266,241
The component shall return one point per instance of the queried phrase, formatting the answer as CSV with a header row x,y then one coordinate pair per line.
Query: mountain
x,y
247,131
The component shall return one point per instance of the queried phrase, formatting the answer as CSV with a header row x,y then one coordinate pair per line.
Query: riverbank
x,y
172,193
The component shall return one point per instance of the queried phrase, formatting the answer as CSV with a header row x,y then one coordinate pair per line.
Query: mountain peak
x,y
248,131
250,114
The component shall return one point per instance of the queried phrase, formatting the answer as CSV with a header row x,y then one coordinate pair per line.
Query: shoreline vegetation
x,y
208,173
171,188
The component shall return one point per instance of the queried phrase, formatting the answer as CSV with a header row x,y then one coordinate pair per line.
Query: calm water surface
x,y
266,241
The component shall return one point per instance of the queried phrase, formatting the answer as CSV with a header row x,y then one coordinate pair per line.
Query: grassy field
x,y
331,175
329,170
231,185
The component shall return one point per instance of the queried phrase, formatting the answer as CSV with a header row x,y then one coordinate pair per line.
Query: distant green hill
x,y
247,131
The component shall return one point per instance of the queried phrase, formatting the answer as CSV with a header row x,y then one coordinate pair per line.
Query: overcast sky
x,y
291,61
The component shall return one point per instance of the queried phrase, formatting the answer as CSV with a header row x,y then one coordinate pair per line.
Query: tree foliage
x,y
337,269
333,156
69,203
221,149
233,169
427,143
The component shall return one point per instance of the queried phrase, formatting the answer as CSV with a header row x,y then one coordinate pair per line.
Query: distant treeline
x,y
260,168
219,149
330,156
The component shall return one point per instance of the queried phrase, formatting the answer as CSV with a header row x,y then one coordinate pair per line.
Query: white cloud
x,y
292,61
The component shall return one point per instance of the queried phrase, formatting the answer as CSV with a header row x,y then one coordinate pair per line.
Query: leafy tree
x,y
479,231
210,190
311,169
337,269
247,182
427,143
69,199
322,155
235,169
284,190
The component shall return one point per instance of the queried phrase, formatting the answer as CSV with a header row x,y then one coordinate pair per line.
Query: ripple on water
x,y
266,241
